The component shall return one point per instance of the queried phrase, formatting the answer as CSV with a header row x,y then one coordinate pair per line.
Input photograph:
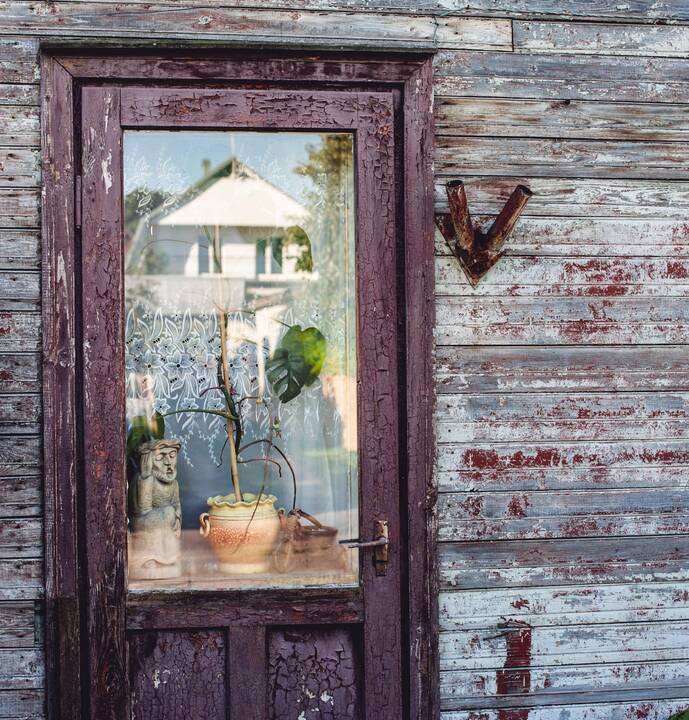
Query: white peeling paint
x,y
60,270
106,172
326,697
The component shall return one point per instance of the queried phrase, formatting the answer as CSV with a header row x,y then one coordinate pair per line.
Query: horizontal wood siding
x,y
563,456
563,384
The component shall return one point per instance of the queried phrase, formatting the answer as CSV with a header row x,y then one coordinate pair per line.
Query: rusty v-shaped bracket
x,y
477,251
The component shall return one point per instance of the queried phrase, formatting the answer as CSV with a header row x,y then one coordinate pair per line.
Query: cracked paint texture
x,y
313,673
177,675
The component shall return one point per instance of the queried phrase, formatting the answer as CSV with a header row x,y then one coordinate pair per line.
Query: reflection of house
x,y
233,223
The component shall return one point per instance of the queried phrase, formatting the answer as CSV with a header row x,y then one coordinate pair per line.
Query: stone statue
x,y
155,513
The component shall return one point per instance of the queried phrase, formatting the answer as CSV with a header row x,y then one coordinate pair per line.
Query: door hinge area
x,y
77,201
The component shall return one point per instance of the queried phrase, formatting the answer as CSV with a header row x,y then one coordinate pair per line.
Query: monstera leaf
x,y
296,362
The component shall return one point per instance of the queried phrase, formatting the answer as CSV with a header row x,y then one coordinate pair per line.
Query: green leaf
x,y
684,715
142,430
158,426
296,362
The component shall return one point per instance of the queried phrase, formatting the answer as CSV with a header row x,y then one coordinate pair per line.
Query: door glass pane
x,y
241,366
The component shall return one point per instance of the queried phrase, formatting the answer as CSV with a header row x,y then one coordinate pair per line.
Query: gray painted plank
x,y
560,76
494,564
21,704
19,60
598,38
534,369
225,23
19,331
588,237
19,208
13,94
574,198
17,625
19,126
20,496
19,249
561,321
561,158
19,167
19,372
643,709
575,119
567,277
564,606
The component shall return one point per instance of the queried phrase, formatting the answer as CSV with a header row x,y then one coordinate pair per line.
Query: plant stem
x,y
217,262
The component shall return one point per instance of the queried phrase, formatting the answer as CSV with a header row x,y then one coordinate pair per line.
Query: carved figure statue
x,y
155,513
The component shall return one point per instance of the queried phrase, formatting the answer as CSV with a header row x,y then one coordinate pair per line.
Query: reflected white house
x,y
234,224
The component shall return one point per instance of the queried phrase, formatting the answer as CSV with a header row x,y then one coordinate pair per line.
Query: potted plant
x,y
243,527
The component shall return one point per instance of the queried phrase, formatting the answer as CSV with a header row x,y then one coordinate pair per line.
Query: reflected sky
x,y
164,160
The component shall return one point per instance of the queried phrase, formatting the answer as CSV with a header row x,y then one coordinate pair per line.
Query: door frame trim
x,y
61,75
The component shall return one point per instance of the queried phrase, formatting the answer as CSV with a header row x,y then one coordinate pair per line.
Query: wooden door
x,y
205,641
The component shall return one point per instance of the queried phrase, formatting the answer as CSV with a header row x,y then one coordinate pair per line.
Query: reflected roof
x,y
239,199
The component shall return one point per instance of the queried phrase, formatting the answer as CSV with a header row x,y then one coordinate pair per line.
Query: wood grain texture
x,y
19,60
225,609
489,565
19,249
63,652
561,321
17,94
225,23
105,526
248,664
591,237
577,198
647,709
21,496
19,167
573,119
576,606
597,39
559,76
178,675
19,126
575,113
580,369
21,704
651,11
561,158
17,629
421,486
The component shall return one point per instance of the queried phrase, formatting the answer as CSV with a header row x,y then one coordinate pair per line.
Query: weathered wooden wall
x,y
563,458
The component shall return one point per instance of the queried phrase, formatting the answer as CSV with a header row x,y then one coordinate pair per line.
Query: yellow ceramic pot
x,y
242,534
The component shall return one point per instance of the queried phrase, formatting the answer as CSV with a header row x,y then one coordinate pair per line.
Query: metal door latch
x,y
381,543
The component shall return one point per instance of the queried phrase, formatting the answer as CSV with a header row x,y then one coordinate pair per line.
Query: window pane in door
x,y
241,363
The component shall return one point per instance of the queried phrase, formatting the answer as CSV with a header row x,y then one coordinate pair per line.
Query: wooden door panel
x,y
178,675
315,672
246,670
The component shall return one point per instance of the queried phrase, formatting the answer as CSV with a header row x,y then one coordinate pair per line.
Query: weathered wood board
x,y
563,381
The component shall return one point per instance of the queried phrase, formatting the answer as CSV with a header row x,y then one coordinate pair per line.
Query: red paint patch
x,y
519,604
517,506
677,270
472,506
515,677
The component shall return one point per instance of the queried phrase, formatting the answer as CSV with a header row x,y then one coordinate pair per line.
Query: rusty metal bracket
x,y
477,251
